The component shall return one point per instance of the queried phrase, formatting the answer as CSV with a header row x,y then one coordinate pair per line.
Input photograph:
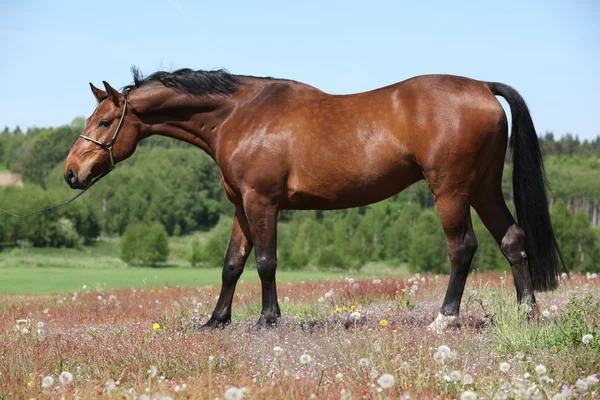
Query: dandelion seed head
x,y
468,395
504,367
278,351
65,377
233,393
553,308
455,376
47,381
587,339
467,379
581,385
305,359
591,380
152,371
546,314
386,381
355,315
363,362
540,369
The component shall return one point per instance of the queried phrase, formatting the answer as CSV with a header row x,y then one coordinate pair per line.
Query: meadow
x,y
347,338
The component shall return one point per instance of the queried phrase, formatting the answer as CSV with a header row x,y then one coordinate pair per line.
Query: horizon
x,y
549,53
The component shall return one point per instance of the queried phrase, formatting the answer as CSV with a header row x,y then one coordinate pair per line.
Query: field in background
x,y
337,339
52,270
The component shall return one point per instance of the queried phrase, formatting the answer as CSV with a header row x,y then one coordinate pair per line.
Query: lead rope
x,y
106,146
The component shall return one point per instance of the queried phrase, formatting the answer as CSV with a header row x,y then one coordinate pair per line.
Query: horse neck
x,y
193,119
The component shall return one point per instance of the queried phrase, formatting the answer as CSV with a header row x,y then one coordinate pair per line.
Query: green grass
x,y
52,270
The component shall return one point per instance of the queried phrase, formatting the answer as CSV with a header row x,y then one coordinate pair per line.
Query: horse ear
x,y
99,94
113,95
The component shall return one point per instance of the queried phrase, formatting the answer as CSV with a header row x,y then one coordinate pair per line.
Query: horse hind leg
x,y
455,216
510,237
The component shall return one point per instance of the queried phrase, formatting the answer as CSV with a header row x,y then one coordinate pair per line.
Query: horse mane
x,y
186,80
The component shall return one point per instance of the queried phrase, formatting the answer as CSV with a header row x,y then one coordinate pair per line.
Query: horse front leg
x,y
240,246
262,218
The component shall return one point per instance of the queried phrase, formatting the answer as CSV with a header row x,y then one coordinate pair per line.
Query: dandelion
x,y
211,359
355,315
546,314
233,393
339,376
467,379
110,385
581,385
386,381
376,281
591,380
305,359
363,362
553,308
152,371
383,322
30,384
278,351
468,395
321,299
504,367
527,375
586,339
47,381
40,324
455,376
156,326
540,370
65,377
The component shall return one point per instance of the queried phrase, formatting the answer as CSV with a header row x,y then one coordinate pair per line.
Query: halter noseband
x,y
109,146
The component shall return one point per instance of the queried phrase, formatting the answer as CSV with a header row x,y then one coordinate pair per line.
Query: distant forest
x,y
178,186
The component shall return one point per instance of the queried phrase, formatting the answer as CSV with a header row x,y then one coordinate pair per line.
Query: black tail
x,y
529,187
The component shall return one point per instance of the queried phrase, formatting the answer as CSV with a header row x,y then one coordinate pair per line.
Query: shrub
x,y
144,243
66,235
212,252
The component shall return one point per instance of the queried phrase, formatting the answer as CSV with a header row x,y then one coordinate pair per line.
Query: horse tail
x,y
544,258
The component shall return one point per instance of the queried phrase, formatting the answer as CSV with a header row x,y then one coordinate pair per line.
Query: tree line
x,y
177,186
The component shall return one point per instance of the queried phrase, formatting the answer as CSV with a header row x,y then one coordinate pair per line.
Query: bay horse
x,y
282,144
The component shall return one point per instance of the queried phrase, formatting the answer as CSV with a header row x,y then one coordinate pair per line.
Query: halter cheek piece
x,y
109,146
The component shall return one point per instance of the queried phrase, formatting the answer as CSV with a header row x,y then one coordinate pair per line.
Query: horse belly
x,y
350,183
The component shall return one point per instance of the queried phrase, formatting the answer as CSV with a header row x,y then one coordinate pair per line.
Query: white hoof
x,y
443,322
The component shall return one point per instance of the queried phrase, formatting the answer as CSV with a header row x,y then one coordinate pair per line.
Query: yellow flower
x,y
30,384
338,309
345,308
156,327
352,307
383,322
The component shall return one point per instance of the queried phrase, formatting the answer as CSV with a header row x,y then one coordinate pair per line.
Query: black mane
x,y
199,83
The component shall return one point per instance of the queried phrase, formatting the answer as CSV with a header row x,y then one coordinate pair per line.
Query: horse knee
x,y
513,244
232,270
463,250
266,266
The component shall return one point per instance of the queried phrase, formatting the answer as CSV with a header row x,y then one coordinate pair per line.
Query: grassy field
x,y
142,343
51,270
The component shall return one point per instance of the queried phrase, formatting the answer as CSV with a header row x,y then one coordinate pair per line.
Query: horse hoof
x,y
213,324
265,322
443,322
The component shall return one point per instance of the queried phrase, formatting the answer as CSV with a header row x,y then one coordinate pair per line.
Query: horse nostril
x,y
70,177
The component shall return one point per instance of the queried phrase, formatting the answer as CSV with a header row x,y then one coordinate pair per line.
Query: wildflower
x,y
30,384
376,281
546,314
363,362
468,395
504,367
321,299
65,377
40,324
383,322
467,379
540,369
345,394
328,294
233,393
339,376
278,351
386,381
586,339
156,326
444,350
373,374
305,359
47,381
211,359
581,385
553,308
455,376
152,371
355,315
527,375
591,380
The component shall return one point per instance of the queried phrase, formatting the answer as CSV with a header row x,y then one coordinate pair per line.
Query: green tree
x,y
428,250
145,244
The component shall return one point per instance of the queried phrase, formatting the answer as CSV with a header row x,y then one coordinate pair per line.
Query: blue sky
x,y
547,50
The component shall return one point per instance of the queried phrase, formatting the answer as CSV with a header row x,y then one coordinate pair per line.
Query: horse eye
x,y
104,123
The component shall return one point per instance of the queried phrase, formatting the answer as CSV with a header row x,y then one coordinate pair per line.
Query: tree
x,y
428,249
145,244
